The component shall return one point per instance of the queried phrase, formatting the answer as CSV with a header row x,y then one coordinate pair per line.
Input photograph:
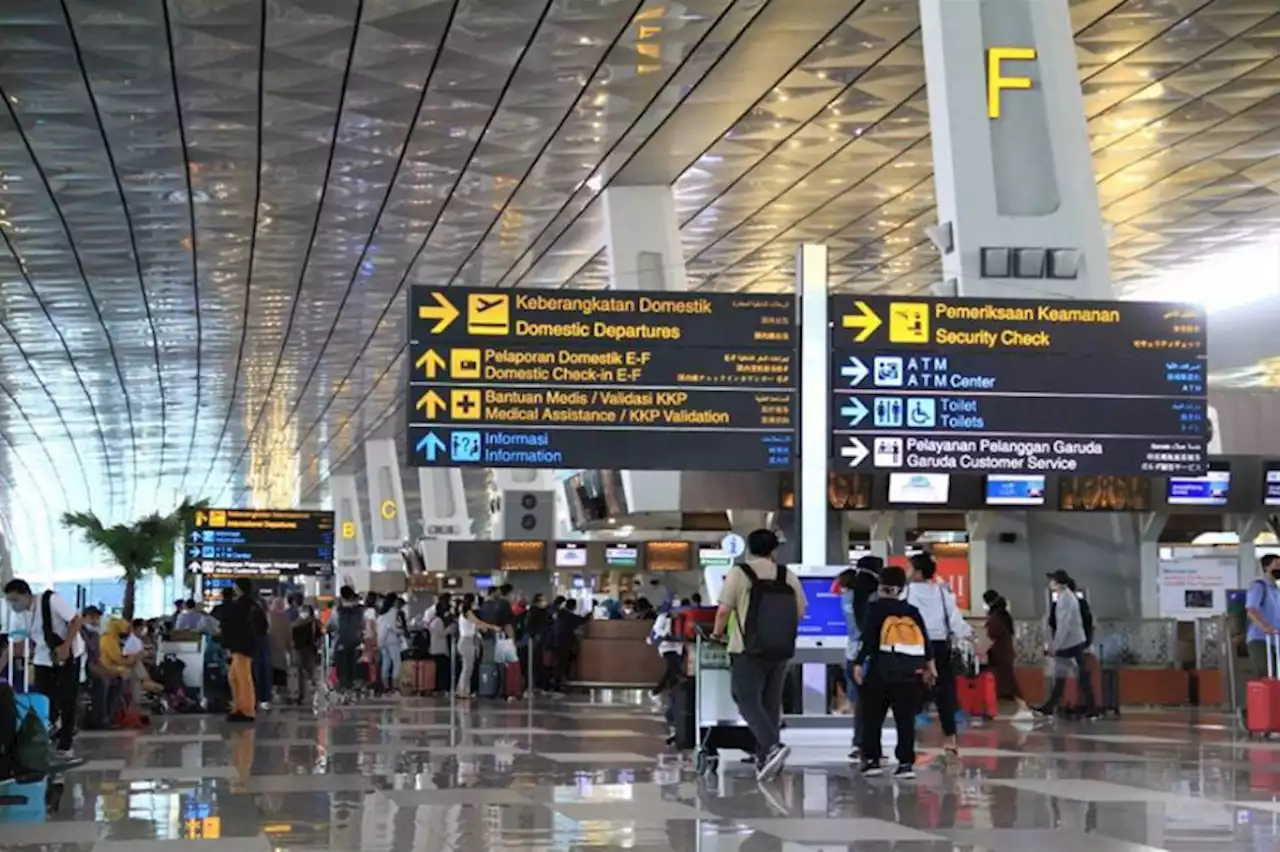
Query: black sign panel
x,y
259,543
1011,385
564,378
603,318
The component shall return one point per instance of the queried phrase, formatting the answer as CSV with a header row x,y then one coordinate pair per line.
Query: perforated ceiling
x,y
210,209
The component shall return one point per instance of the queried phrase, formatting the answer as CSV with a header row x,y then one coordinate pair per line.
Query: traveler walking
x,y
761,605
57,650
1000,652
1071,633
858,591
945,628
894,664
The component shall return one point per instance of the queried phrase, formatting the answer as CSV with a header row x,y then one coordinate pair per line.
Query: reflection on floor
x,y
592,773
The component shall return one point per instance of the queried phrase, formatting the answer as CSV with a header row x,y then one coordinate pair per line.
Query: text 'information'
x,y
1018,386
590,379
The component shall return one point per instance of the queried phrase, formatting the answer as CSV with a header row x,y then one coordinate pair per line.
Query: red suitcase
x,y
977,695
512,681
1262,697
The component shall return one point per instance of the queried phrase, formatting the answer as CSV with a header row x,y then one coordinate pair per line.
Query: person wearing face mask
x,y
53,633
100,679
1000,652
240,635
1262,608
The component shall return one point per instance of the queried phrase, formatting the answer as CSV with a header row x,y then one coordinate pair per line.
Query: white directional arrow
x,y
854,410
855,371
855,452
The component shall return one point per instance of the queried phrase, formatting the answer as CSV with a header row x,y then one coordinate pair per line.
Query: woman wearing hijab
x,y
1000,653
280,641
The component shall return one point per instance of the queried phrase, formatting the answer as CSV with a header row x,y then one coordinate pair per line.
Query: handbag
x,y
959,661
504,651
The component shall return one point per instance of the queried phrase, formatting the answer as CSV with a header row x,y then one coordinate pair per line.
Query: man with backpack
x,y
1071,634
761,606
894,665
53,629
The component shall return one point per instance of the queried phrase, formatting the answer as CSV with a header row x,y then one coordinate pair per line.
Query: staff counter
x,y
617,653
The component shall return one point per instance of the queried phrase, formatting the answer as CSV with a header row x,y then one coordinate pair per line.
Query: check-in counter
x,y
617,653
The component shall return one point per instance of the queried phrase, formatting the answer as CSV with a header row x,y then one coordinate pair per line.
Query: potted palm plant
x,y
146,546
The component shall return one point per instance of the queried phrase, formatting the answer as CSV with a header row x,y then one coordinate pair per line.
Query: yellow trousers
x,y
243,699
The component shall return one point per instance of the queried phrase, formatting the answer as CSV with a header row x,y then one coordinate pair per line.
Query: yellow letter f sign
x,y
997,82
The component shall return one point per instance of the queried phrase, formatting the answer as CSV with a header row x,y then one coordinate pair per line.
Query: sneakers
x,y
64,755
872,769
855,754
773,762
905,770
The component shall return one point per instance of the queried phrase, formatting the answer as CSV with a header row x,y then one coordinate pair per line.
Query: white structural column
x,y
812,502
642,237
1012,166
351,552
386,496
445,516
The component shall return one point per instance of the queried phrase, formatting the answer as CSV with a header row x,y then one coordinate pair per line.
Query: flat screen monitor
x,y
483,581
919,488
1208,490
571,555
1015,489
1271,486
824,615
622,556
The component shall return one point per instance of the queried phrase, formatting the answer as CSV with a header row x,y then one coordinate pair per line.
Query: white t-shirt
x,y
33,622
132,645
466,627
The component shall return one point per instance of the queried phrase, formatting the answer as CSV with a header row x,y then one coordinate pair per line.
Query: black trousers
x,y
944,690
61,683
347,659
671,673
875,700
1084,676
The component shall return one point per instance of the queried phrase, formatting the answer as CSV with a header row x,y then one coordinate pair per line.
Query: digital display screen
x,y
571,556
483,581
1208,490
1005,489
622,556
930,488
824,615
1271,488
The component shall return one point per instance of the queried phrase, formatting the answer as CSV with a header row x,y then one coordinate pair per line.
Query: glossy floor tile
x,y
417,774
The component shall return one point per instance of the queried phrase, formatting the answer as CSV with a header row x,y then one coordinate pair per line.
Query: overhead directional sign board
x,y
590,379
259,543
1018,386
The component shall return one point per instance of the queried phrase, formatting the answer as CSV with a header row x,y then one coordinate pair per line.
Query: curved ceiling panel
x,y
210,209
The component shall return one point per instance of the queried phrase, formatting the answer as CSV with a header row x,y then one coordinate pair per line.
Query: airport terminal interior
x,y
398,397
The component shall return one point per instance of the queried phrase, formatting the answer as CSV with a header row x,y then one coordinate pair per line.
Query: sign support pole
x,y
815,394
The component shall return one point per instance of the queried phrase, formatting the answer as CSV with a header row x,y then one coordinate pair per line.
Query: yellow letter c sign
x,y
388,509
997,82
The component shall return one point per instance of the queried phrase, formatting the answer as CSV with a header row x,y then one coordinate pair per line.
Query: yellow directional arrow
x,y
432,402
429,362
866,320
443,312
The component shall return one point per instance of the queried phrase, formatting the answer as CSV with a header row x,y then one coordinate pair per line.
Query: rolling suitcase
x,y
512,680
977,695
1262,697
490,680
418,677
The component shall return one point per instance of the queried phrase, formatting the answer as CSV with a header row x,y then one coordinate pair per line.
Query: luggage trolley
x,y
716,721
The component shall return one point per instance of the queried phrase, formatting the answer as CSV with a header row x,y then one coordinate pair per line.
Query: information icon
x,y
464,446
